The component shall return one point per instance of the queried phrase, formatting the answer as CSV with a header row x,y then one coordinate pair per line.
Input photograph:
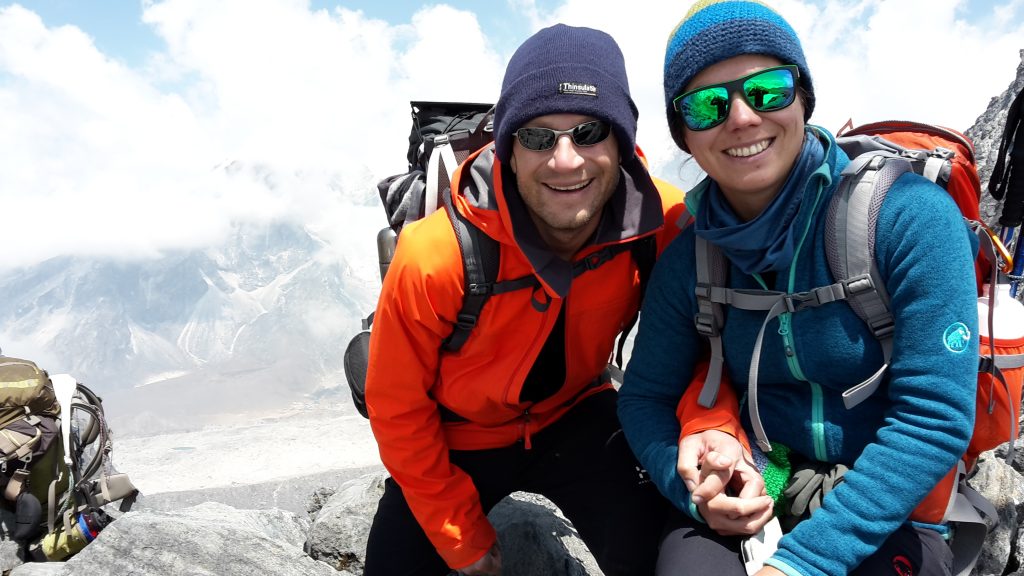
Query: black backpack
x,y
443,135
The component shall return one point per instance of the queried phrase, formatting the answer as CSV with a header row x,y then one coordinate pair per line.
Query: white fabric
x,y
64,386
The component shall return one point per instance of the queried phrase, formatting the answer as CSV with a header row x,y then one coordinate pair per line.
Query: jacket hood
x,y
485,191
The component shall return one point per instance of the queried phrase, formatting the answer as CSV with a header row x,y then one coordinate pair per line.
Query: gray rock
x,y
8,554
339,531
1001,485
316,501
291,494
535,537
39,569
986,134
211,539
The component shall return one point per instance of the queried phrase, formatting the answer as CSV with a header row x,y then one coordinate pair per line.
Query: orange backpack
x,y
946,157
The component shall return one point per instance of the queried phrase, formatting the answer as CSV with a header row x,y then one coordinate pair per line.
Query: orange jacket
x,y
409,376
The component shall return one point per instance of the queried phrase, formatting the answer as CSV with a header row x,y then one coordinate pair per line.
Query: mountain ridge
x,y
273,306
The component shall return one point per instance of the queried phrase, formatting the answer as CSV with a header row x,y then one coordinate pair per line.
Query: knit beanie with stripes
x,y
716,30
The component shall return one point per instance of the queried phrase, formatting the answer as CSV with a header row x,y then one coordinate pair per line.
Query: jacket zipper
x,y
817,400
786,331
818,422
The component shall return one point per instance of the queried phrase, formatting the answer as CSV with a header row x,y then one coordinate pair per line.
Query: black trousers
x,y
581,463
692,549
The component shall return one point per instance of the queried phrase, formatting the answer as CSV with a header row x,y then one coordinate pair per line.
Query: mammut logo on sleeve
x,y
577,88
957,337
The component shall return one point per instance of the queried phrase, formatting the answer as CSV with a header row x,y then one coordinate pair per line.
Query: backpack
x,y
443,135
880,153
55,462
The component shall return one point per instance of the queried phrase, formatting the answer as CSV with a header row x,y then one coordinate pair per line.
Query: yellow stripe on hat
x,y
702,4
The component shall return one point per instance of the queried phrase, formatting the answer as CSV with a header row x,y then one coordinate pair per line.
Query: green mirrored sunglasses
x,y
765,91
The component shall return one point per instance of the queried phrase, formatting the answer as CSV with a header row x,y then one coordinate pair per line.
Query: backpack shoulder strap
x,y
712,269
481,256
440,154
850,250
480,259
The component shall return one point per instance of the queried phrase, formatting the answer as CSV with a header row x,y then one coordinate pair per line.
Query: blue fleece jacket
x,y
901,441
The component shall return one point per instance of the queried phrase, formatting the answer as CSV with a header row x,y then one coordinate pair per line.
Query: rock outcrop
x,y
986,134
218,540
208,539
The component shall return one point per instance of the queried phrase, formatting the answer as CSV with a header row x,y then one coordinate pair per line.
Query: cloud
x,y
256,110
253,111
914,59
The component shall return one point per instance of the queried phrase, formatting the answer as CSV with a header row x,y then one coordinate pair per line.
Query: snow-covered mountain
x,y
254,325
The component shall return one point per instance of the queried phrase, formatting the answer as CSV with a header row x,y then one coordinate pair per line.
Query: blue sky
x,y
139,127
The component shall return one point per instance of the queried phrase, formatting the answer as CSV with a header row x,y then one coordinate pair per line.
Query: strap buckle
x,y
466,321
814,298
859,284
706,324
882,325
800,301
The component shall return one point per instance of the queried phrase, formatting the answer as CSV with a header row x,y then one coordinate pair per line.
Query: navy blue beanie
x,y
566,70
716,30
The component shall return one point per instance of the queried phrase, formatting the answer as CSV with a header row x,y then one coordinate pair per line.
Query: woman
x,y
738,95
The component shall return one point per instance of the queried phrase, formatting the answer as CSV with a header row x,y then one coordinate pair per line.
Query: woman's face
x,y
751,153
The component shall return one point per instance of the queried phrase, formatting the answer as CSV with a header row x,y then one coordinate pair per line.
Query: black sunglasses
x,y
586,134
766,90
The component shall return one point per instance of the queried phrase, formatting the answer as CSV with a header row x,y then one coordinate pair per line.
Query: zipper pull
x,y
784,320
784,331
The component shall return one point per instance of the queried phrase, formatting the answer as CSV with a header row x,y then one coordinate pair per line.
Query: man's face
x,y
566,187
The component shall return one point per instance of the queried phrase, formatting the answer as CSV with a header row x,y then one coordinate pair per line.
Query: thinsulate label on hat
x,y
577,88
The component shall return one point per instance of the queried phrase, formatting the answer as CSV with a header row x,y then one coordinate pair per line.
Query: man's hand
x,y
724,483
488,565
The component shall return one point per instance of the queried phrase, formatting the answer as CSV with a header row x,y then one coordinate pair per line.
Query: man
x,y
525,404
